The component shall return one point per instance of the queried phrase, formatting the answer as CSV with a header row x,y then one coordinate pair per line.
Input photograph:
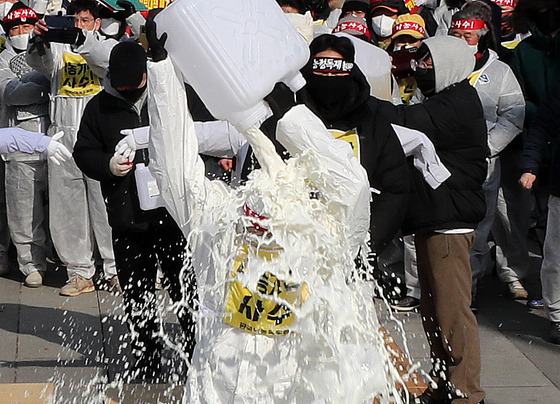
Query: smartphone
x,y
59,21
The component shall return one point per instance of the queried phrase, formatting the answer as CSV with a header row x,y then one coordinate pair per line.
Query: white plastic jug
x,y
233,53
148,191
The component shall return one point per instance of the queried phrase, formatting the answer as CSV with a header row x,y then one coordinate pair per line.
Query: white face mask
x,y
382,25
474,49
5,9
19,42
303,24
110,26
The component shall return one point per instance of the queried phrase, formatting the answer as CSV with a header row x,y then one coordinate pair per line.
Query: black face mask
x,y
333,96
132,95
426,81
507,26
548,21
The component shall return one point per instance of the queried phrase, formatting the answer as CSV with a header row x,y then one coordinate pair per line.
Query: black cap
x,y
127,64
354,5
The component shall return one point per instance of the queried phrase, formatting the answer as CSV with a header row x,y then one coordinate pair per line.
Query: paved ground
x,y
76,346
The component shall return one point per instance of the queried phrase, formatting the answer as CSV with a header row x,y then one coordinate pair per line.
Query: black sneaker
x,y
426,398
555,332
407,303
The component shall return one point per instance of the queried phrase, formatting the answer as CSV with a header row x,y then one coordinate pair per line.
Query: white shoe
x,y
34,279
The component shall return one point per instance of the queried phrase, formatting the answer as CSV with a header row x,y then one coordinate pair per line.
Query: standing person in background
x,y
5,8
510,37
338,93
142,239
536,65
382,16
443,219
544,129
78,218
408,32
504,111
300,16
24,96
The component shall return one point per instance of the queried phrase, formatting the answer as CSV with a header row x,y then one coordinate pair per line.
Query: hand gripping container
x,y
233,52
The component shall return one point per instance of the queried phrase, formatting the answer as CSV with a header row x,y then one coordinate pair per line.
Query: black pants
x,y
137,256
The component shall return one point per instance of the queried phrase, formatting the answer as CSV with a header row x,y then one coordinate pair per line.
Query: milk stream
x,y
334,353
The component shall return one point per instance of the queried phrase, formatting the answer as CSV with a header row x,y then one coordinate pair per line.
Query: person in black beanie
x,y
142,239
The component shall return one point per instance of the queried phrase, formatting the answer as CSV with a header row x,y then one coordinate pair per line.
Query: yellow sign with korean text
x,y
77,79
251,310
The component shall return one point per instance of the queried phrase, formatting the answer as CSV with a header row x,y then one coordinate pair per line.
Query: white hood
x,y
453,60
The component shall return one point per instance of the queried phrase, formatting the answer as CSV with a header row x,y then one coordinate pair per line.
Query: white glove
x,y
56,151
134,139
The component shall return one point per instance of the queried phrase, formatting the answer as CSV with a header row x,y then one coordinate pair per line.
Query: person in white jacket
x,y
78,218
24,95
20,141
282,316
504,111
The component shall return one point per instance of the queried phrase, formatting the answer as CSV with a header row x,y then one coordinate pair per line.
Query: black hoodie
x,y
379,149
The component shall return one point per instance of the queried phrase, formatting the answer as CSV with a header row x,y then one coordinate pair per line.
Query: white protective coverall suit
x,y
504,110
24,96
331,352
78,217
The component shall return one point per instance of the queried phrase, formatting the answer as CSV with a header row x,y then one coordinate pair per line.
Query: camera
x,y
401,62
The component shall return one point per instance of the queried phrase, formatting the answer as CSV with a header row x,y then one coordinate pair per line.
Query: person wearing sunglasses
x,y
443,219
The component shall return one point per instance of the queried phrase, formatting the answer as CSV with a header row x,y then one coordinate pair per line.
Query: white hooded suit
x,y
332,351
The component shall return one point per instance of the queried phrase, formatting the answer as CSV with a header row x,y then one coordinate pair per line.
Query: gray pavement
x,y
71,349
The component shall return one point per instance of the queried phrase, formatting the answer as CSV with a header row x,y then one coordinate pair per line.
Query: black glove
x,y
39,43
155,46
128,9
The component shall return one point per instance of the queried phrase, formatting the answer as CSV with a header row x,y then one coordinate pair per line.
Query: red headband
x,y
414,26
250,212
352,25
510,3
21,14
468,25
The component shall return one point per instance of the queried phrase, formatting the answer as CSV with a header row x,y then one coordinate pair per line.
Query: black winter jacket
x,y
381,154
103,119
453,119
544,129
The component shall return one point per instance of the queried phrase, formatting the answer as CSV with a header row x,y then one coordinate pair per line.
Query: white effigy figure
x,y
282,317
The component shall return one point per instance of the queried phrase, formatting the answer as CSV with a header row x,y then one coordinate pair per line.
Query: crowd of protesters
x,y
479,80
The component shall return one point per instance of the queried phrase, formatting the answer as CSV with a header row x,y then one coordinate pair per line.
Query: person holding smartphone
x,y
78,218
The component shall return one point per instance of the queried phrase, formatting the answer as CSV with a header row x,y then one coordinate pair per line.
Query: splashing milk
x,y
282,319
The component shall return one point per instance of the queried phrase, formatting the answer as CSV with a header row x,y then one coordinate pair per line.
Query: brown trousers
x,y
451,328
